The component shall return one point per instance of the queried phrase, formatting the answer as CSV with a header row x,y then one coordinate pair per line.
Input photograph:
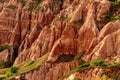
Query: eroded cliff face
x,y
33,28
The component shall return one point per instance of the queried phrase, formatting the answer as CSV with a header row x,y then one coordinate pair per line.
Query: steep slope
x,y
72,32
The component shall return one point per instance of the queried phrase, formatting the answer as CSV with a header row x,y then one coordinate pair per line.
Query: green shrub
x,y
100,62
81,67
113,18
3,47
115,2
13,69
84,65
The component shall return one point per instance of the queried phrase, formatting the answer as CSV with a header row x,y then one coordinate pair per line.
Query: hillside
x,y
59,39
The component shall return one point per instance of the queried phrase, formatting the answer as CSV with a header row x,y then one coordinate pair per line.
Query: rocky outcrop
x,y
108,48
7,57
93,74
108,29
57,27
17,21
49,71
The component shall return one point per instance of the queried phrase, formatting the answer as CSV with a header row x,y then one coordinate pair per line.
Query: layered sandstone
x,y
57,27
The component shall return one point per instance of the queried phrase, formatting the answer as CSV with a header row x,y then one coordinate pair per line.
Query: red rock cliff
x,y
63,29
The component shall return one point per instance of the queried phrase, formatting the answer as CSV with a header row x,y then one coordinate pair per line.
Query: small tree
x,y
13,69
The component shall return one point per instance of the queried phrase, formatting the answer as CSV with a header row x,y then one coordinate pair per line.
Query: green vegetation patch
x,y
100,62
4,47
114,18
81,67
115,6
115,2
113,14
13,69
28,65
93,64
